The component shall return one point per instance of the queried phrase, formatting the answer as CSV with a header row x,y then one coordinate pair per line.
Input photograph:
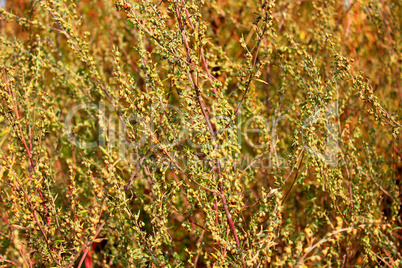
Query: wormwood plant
x,y
193,133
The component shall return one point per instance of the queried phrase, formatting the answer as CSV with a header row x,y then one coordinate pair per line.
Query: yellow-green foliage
x,y
194,133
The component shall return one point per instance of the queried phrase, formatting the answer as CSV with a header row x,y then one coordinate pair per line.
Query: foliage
x,y
199,133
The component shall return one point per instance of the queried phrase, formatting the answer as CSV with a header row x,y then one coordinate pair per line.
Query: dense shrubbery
x,y
200,133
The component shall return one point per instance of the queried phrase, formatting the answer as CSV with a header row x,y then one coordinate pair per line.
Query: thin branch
x,y
323,240
297,174
86,249
208,122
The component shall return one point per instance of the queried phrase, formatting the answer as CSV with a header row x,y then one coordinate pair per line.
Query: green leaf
x,y
104,151
4,132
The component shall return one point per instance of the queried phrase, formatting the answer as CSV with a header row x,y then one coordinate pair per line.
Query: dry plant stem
x,y
252,74
85,246
199,241
37,220
293,167
139,163
188,175
296,175
386,252
217,215
379,186
222,192
86,249
64,32
184,198
311,248
397,151
267,87
251,164
379,257
189,218
192,72
22,138
204,61
252,205
344,260
23,257
349,181
150,250
173,52
3,259
225,206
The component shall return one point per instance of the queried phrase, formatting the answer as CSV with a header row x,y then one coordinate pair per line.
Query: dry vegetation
x,y
193,133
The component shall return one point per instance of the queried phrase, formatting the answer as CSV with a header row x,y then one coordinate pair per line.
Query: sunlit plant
x,y
192,133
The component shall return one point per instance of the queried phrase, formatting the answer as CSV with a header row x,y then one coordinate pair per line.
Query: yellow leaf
x,y
213,255
262,81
